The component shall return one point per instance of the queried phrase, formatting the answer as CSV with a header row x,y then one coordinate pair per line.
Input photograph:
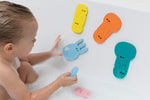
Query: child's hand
x,y
54,51
66,80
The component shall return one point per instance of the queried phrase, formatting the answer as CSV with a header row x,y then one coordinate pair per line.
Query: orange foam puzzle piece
x,y
111,23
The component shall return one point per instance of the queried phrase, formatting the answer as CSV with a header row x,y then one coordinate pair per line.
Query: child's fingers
x,y
70,78
58,37
74,82
73,78
57,42
67,74
57,54
60,54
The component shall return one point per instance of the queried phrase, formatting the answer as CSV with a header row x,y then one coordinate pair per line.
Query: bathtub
x,y
95,66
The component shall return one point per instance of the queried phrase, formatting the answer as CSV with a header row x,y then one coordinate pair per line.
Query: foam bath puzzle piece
x,y
84,93
79,18
73,50
125,52
111,23
74,71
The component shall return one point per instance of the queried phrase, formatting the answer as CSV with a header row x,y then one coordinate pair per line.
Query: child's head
x,y
18,28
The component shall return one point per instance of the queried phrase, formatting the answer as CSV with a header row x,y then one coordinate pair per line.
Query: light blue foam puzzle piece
x,y
125,52
73,50
74,71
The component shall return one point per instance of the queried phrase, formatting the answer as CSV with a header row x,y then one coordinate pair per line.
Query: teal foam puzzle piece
x,y
125,52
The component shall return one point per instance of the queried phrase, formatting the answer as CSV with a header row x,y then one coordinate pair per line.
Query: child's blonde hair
x,y
11,15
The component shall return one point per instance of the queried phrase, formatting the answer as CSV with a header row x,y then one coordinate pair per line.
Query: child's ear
x,y
9,48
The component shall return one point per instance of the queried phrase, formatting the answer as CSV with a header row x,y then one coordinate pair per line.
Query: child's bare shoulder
x,y
6,72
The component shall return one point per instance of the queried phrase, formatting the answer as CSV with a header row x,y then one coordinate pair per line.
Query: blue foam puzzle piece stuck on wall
x,y
73,50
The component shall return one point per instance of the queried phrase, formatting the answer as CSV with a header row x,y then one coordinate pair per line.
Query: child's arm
x,y
63,80
36,58
18,91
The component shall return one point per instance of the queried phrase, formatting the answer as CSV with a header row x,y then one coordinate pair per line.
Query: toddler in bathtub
x,y
18,28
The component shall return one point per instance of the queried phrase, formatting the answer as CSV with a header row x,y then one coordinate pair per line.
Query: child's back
x,y
3,93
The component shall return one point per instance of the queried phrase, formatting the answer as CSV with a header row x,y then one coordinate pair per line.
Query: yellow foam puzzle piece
x,y
79,18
